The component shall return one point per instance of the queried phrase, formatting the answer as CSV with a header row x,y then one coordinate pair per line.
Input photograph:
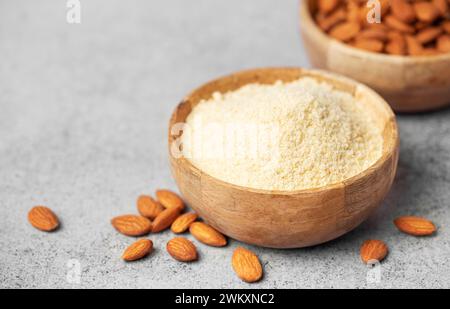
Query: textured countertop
x,y
83,118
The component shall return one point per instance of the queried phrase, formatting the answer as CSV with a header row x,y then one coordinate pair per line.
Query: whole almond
x,y
373,250
446,26
430,51
207,234
395,24
373,34
169,199
415,226
443,43
132,225
182,223
246,265
369,45
148,207
421,25
43,218
396,47
442,7
353,12
345,31
138,250
403,10
326,6
327,22
426,11
414,46
165,219
182,249
429,34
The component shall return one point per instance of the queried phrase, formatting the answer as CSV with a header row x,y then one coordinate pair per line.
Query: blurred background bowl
x,y
409,84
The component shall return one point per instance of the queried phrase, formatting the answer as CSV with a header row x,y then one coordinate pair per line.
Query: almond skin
x,y
373,250
182,223
148,207
169,199
165,219
43,219
415,226
182,249
207,234
132,225
246,265
138,250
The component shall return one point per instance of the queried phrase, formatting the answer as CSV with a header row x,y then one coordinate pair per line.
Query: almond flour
x,y
285,136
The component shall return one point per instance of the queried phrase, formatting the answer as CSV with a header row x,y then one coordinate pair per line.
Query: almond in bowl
x,y
405,58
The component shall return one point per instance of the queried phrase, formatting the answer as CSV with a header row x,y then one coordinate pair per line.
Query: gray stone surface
x,y
83,119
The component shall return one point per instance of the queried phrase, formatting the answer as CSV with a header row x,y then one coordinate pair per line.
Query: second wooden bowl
x,y
286,219
409,84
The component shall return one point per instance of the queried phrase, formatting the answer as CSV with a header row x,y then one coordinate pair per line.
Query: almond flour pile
x,y
285,136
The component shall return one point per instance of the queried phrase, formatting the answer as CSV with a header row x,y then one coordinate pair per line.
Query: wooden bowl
x,y
409,84
286,219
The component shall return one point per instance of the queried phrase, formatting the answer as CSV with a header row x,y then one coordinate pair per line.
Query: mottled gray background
x,y
83,119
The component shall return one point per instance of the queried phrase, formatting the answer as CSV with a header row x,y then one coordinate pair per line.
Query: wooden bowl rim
x,y
385,156
307,20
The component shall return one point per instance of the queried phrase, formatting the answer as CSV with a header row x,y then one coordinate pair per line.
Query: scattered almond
x,y
148,207
415,226
207,234
182,249
169,199
246,265
138,250
165,219
182,223
132,225
373,250
43,218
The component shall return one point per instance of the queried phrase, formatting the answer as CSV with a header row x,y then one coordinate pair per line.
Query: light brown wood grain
x,y
287,219
409,84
